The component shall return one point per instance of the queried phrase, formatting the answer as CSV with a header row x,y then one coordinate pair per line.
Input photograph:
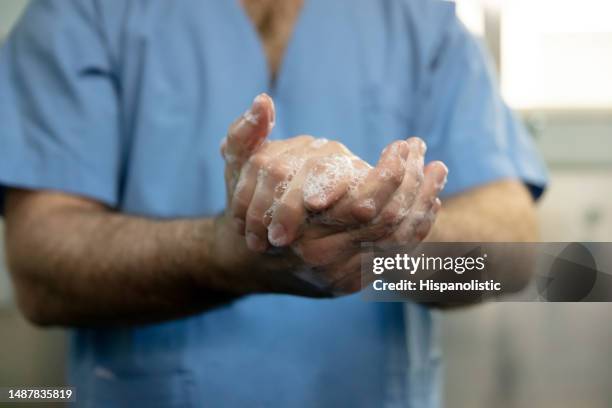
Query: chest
x,y
274,21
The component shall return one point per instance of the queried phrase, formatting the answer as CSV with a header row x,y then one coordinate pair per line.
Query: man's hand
x,y
318,196
407,218
273,186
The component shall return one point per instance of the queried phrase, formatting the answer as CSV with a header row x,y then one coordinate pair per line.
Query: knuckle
x,y
364,211
258,160
278,170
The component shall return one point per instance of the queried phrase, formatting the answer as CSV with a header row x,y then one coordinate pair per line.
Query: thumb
x,y
249,131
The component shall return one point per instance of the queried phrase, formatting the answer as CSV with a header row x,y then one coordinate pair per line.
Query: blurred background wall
x,y
555,65
554,59
28,356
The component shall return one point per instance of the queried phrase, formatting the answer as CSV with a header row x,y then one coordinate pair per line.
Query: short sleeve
x,y
58,104
465,121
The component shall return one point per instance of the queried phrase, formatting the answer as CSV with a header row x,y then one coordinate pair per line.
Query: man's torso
x,y
185,71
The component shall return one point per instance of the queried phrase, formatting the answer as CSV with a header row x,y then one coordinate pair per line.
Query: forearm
x,y
103,268
87,266
499,212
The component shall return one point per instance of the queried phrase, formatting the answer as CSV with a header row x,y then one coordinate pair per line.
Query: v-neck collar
x,y
255,41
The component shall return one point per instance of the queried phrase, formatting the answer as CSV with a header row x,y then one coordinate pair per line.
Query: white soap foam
x,y
228,157
271,125
295,164
320,184
418,217
369,204
251,117
357,179
318,143
280,188
385,174
270,211
261,175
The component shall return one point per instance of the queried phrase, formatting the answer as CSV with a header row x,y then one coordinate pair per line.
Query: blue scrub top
x,y
126,102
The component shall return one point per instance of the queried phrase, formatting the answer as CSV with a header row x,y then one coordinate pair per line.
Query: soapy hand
x,y
273,187
319,199
333,260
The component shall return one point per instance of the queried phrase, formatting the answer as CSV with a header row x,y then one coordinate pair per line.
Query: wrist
x,y
234,266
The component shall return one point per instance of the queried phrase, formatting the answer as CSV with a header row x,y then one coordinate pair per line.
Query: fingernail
x,y
418,144
273,116
422,146
443,168
441,175
277,235
254,243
